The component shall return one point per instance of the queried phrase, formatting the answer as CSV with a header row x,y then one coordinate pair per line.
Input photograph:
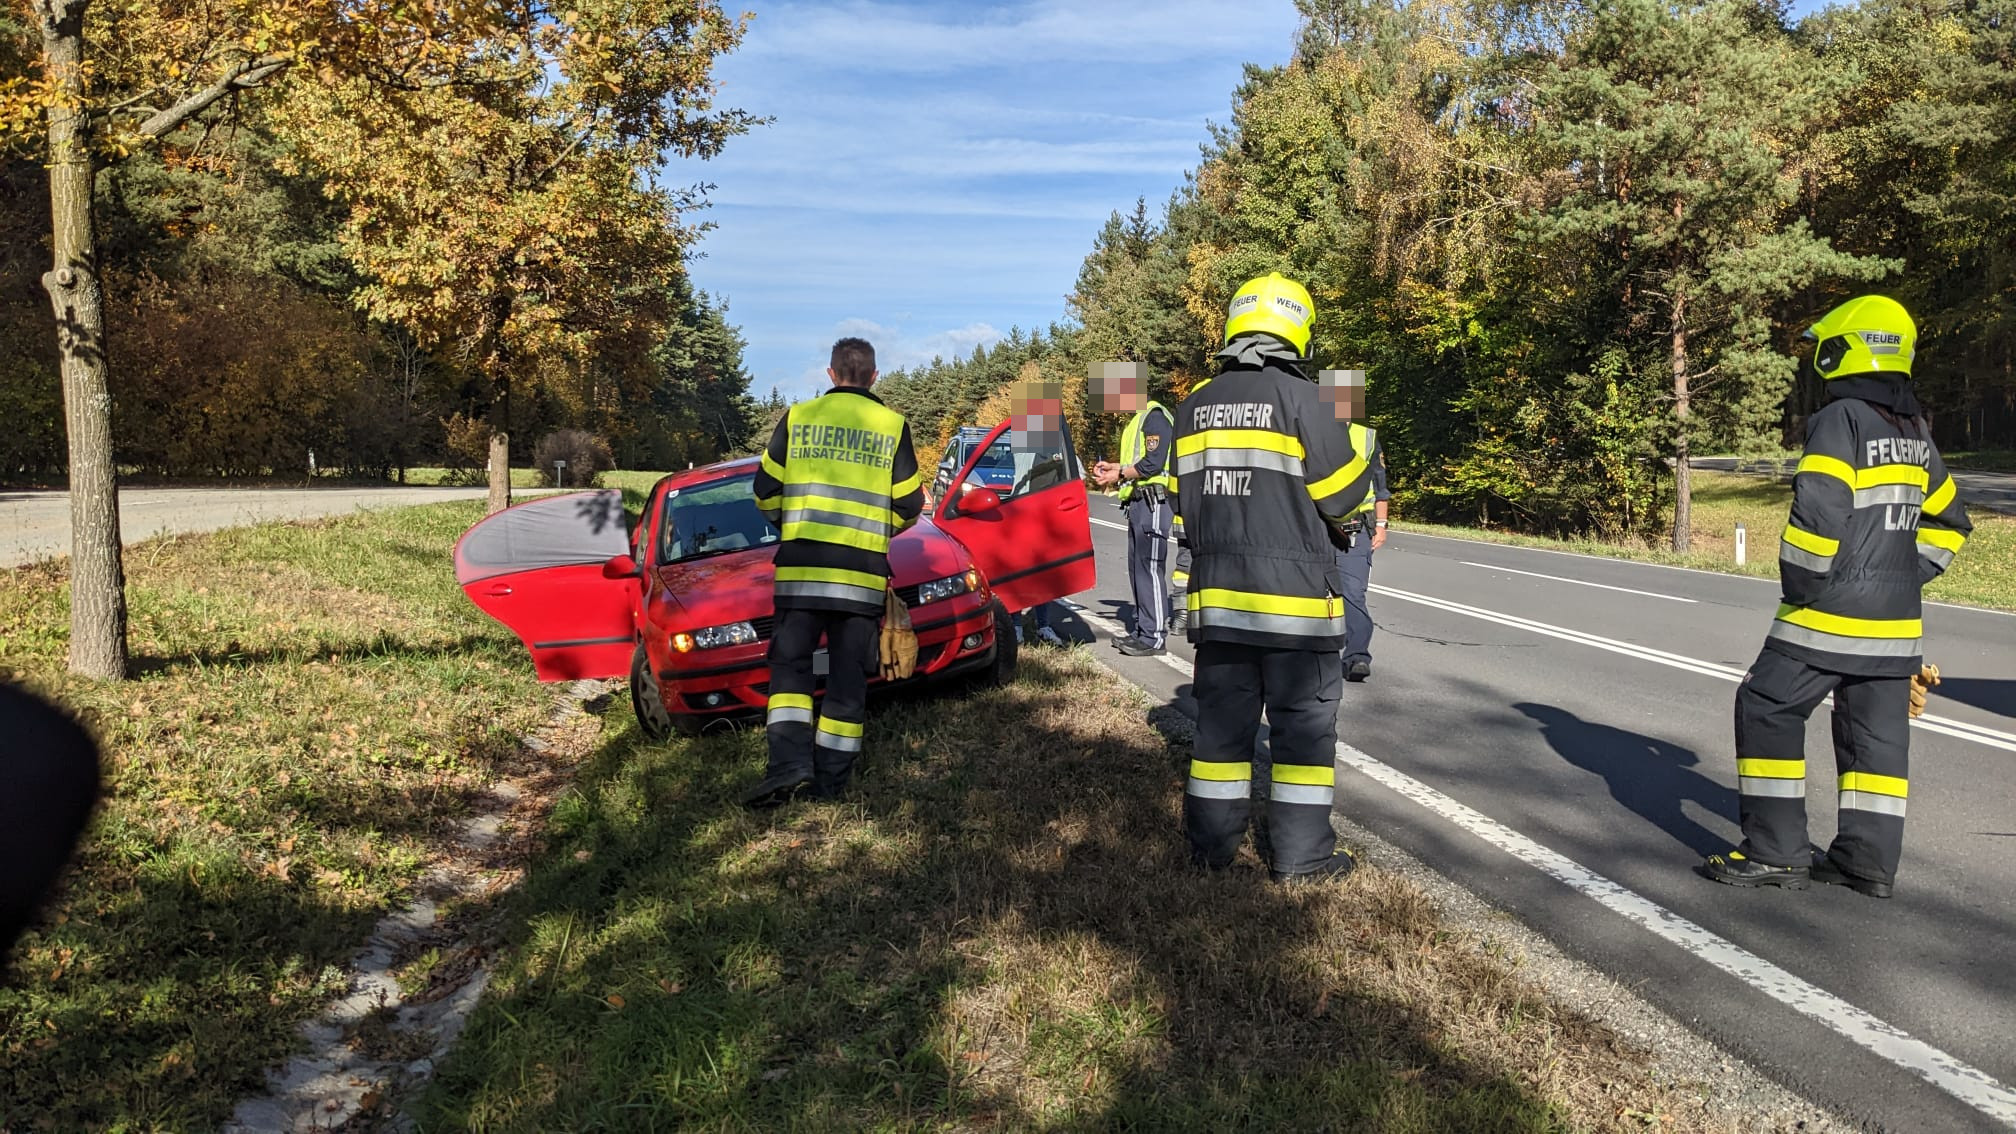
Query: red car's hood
x,y
737,586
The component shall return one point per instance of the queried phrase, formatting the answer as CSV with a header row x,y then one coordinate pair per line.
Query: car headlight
x,y
714,637
950,586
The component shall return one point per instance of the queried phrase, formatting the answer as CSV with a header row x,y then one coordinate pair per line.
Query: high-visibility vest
x,y
838,484
1134,447
1363,440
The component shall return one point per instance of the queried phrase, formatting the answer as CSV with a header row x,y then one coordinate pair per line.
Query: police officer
x,y
1144,481
1345,390
1265,478
839,478
1874,518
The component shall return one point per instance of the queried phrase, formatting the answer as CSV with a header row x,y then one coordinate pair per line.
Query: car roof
x,y
707,474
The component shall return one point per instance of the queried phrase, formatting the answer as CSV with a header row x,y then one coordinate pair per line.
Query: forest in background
x,y
1573,244
245,333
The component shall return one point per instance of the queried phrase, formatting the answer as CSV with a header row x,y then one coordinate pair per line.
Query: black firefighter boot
x,y
1734,868
1827,873
1339,865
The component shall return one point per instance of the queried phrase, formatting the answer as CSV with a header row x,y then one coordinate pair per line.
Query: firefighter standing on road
x,y
1266,477
1345,391
839,478
1142,473
1874,518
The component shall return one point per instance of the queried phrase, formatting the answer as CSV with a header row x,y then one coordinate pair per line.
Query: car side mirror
x,y
620,567
979,499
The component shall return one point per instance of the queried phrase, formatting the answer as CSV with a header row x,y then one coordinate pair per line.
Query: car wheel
x,y
1006,649
653,717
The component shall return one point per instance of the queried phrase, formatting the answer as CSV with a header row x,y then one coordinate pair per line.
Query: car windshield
x,y
999,459
712,518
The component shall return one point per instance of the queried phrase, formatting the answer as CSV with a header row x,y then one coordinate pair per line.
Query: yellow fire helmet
x,y
1276,305
1871,334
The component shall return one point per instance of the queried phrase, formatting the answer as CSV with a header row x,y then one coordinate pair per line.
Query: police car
x,y
680,600
988,451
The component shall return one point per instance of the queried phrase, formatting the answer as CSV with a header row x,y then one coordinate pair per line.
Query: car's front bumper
x,y
954,637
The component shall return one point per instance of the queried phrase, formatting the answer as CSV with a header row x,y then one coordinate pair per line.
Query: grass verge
x,y
997,930
315,704
1983,575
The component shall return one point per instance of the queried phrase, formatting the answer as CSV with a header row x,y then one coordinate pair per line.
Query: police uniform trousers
x,y
819,745
1872,740
1148,518
1299,689
1356,567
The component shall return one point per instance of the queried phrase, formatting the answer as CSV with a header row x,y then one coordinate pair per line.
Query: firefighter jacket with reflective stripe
x,y
1263,473
839,478
1145,445
1874,517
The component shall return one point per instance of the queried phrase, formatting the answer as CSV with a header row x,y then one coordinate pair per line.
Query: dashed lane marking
x,y
1577,582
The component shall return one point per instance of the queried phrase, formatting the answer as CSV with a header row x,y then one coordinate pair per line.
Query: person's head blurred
x,y
1036,410
1344,392
1122,387
853,364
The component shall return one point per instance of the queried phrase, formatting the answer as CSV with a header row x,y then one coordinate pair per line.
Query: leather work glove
x,y
898,653
1921,684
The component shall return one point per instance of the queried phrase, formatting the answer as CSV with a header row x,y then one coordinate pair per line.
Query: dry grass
x,y
315,704
997,931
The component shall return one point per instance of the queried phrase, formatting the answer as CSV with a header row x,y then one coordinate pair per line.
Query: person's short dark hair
x,y
854,362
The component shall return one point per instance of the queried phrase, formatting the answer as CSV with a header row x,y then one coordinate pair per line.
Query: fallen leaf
x,y
671,987
615,1000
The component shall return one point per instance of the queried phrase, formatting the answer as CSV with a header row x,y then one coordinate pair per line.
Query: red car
x,y
681,602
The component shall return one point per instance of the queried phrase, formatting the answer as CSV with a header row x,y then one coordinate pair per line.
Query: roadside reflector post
x,y
1741,551
560,476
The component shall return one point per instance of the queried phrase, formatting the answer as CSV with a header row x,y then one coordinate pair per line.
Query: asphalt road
x,y
36,525
1995,491
1532,709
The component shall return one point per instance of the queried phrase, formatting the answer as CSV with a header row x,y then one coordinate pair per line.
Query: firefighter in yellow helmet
x,y
1874,518
839,478
1266,479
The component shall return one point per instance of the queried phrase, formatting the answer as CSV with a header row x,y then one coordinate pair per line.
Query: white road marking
x,y
1577,582
1410,534
1964,1082
1930,722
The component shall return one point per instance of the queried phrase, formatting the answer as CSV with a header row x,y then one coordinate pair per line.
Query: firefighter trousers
x,y
1299,689
819,746
1872,742
1148,520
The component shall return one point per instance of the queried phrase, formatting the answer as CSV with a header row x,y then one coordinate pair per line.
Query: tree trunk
x,y
500,448
1683,480
97,576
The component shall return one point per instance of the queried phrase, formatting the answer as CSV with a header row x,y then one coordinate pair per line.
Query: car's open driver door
x,y
538,568
1034,540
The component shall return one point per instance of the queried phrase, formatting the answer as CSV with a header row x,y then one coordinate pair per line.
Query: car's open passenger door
x,y
540,569
1033,540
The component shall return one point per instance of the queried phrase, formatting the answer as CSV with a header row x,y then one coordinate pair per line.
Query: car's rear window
x,y
712,518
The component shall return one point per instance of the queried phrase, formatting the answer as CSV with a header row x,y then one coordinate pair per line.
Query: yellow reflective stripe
x,y
1848,627
1941,538
772,467
832,575
790,700
1809,541
1338,481
907,485
833,533
1771,769
839,728
770,503
1265,439
1294,605
1941,497
1221,772
1828,466
1875,784
1891,474
1324,775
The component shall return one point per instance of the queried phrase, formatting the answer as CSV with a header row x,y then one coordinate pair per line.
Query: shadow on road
x,y
1651,777
1990,694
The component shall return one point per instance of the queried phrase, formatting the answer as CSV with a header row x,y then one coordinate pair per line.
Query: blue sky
x,y
937,171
